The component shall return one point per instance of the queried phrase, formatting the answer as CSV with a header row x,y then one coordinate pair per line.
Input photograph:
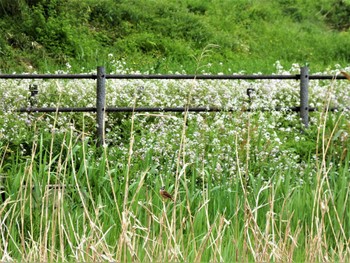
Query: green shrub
x,y
251,35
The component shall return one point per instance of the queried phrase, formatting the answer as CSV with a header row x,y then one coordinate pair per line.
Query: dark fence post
x,y
100,105
304,96
33,92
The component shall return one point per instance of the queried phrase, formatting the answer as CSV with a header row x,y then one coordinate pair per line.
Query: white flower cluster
x,y
212,139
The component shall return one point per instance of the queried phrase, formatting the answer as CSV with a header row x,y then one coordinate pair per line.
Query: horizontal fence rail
x,y
154,109
156,76
166,109
101,78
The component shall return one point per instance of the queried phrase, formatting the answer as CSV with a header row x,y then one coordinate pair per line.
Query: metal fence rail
x,y
101,78
152,109
165,109
165,76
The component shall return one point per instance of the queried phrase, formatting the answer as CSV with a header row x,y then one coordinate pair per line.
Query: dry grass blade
x,y
345,74
242,193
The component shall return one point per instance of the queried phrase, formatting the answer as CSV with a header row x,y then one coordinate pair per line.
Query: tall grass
x,y
75,207
68,200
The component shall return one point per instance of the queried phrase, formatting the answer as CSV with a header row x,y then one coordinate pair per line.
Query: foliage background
x,y
249,185
159,35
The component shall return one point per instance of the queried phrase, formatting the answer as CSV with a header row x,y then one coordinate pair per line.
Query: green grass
x,y
249,186
161,36
110,209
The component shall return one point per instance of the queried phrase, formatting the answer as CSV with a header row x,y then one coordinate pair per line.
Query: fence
x,y
101,78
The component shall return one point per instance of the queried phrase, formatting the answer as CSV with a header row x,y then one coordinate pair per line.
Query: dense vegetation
x,y
249,185
161,35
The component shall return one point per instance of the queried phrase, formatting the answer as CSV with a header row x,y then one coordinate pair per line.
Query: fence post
x,y
100,104
33,92
304,96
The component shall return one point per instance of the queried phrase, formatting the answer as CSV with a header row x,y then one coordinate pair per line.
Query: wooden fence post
x,y
100,104
304,96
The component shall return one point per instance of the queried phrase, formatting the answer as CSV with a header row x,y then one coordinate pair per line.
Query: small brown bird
x,y
165,194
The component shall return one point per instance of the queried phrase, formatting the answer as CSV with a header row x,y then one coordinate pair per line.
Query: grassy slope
x,y
160,36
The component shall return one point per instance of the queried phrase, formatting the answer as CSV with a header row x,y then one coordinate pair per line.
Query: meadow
x,y
248,185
